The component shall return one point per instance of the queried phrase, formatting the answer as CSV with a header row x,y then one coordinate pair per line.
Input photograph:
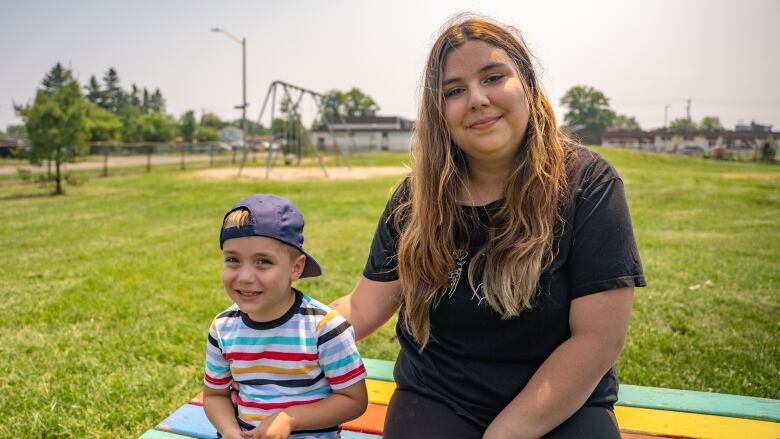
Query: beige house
x,y
665,140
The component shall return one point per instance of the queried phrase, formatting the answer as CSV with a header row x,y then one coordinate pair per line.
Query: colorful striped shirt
x,y
298,358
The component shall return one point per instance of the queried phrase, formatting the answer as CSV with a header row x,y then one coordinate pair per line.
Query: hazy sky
x,y
723,55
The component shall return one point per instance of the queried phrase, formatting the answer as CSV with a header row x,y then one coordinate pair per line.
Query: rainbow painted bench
x,y
642,412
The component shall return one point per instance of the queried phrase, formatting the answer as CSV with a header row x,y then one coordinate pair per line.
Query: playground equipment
x,y
291,137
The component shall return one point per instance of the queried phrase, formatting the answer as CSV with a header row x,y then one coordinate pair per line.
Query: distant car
x,y
693,150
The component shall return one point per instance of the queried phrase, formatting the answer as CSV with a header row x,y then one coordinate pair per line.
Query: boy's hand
x,y
276,426
232,434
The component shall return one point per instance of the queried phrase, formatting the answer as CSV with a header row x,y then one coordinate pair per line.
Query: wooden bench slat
x,y
717,404
157,434
189,420
671,423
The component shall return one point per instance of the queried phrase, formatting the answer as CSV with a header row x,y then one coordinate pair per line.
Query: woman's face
x,y
485,102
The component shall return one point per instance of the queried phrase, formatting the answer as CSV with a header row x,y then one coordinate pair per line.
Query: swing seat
x,y
642,413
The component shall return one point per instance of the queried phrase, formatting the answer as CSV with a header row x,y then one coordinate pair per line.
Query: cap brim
x,y
312,267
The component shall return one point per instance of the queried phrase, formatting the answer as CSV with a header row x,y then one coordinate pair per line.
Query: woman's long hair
x,y
520,233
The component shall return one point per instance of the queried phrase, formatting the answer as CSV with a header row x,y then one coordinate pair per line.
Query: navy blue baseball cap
x,y
272,217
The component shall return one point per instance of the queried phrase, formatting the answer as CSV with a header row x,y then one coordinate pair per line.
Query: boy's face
x,y
257,274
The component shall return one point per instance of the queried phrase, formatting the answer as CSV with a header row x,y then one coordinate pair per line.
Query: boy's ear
x,y
298,264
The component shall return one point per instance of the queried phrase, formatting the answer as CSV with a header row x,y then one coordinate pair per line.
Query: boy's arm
x,y
221,413
340,406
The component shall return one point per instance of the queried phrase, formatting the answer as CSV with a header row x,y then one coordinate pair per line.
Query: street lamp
x,y
242,42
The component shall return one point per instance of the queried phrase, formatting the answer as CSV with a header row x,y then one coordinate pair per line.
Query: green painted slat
x,y
689,401
719,404
381,370
157,434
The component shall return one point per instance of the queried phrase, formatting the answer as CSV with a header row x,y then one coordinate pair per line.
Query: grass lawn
x,y
106,293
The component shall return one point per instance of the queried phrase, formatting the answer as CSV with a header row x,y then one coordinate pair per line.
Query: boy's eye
x,y
231,260
263,261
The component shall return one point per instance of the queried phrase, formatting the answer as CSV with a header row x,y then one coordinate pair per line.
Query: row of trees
x,y
587,107
64,119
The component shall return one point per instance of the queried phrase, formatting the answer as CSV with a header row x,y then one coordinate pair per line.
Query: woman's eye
x,y
453,92
493,78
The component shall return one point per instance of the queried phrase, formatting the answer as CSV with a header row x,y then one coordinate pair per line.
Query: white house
x,y
366,132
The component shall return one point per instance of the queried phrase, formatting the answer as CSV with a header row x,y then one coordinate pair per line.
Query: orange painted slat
x,y
197,399
372,421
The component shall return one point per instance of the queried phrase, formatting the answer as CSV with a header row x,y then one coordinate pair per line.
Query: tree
x,y
683,124
56,78
206,134
356,102
587,107
211,120
188,126
158,127
132,125
93,92
104,126
114,97
57,125
16,131
342,104
134,98
156,102
711,123
624,122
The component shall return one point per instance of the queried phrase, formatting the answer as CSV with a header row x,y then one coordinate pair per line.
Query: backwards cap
x,y
272,217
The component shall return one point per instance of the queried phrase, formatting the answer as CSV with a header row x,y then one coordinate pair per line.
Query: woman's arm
x,y
369,305
340,406
599,323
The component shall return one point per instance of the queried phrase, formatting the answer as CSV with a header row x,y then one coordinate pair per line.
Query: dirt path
x,y
96,162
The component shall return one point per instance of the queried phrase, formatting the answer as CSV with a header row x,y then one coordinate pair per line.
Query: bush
x,y
75,179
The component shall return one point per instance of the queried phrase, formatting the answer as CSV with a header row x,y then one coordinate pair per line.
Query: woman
x,y
510,253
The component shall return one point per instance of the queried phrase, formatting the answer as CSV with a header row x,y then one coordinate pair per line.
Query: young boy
x,y
295,359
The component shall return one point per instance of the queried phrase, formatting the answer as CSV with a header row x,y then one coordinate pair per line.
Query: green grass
x,y
106,293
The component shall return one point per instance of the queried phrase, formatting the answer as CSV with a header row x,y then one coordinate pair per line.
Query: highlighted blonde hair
x,y
520,233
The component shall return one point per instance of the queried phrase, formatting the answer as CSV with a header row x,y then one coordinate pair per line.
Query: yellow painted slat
x,y
379,391
641,420
649,421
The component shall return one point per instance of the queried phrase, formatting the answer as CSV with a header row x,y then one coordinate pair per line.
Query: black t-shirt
x,y
476,363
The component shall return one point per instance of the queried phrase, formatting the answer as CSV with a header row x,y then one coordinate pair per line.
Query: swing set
x,y
291,138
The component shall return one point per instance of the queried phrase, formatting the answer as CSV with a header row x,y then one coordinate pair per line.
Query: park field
x,y
106,293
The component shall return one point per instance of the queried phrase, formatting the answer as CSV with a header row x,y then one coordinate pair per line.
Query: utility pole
x,y
242,42
688,109
666,114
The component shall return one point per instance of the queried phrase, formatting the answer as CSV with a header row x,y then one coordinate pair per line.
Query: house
x,y
10,146
667,140
232,136
365,132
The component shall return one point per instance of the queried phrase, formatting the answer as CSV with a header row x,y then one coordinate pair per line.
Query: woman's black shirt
x,y
476,362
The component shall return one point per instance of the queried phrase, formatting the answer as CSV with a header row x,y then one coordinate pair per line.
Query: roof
x,y
368,123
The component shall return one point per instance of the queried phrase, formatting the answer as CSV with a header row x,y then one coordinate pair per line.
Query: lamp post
x,y
242,42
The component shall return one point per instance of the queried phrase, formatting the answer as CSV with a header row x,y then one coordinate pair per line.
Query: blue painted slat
x,y
354,435
189,420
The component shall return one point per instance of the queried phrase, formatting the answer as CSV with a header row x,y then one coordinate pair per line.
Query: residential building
x,y
365,132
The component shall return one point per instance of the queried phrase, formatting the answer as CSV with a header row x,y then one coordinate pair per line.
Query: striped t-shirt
x,y
298,358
